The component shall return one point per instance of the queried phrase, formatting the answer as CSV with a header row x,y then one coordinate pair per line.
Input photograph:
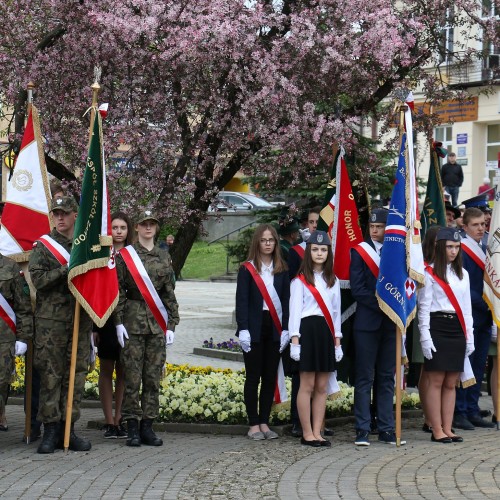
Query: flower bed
x,y
210,395
229,345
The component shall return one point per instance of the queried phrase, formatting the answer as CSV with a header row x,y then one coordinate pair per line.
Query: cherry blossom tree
x,y
199,89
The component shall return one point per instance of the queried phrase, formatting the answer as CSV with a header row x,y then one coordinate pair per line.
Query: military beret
x,y
379,216
65,203
146,215
319,238
448,233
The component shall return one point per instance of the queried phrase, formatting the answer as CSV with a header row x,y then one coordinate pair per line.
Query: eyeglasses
x,y
271,241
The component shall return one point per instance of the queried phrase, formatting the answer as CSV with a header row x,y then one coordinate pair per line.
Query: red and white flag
x,y
27,201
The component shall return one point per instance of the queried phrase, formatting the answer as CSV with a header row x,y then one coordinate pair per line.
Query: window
x,y
493,143
444,135
489,8
446,38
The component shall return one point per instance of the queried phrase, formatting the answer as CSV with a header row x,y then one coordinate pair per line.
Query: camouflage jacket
x,y
15,290
53,298
132,310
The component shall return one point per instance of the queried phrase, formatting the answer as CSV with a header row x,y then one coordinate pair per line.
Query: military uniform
x,y
143,356
15,290
54,318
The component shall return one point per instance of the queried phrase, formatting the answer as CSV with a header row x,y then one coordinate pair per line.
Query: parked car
x,y
231,201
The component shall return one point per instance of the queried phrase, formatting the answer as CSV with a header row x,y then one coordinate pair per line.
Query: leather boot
x,y
50,438
133,438
75,443
147,434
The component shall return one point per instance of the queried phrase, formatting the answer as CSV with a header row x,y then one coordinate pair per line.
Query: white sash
x,y
372,253
7,314
56,249
274,298
478,256
145,285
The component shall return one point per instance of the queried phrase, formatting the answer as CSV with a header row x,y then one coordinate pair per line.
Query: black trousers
x,y
261,366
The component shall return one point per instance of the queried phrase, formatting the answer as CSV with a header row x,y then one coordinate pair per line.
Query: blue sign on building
x,y
461,138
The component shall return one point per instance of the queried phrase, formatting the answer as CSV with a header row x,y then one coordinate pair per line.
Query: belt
x,y
442,314
134,295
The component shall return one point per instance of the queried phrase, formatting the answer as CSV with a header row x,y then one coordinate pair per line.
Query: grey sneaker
x,y
256,436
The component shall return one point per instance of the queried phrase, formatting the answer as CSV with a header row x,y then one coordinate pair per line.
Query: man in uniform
x,y
467,413
374,338
54,317
16,322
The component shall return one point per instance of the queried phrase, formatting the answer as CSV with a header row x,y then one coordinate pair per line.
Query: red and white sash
x,y
56,249
300,249
474,251
273,303
321,303
370,257
451,297
7,314
145,285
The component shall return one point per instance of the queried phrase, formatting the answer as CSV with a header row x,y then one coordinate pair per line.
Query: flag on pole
x,y
491,291
339,217
27,201
434,212
401,259
92,272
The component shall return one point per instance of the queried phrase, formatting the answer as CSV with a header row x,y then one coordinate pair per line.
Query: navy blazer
x,y
369,316
481,314
249,303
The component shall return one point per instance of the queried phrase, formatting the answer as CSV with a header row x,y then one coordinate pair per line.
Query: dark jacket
x,y
452,175
249,303
369,316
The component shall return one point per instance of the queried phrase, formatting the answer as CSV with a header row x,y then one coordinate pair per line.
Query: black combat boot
x,y
75,443
133,438
50,438
147,434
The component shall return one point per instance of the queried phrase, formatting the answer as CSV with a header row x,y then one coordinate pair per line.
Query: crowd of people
x,y
132,343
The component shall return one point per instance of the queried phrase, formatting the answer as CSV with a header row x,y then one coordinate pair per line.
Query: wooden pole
x,y
76,326
399,337
28,360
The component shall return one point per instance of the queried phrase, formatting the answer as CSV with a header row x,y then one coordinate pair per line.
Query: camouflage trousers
x,y
143,358
7,350
52,358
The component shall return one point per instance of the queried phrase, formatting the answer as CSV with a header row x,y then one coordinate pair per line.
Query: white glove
x,y
427,348
284,340
295,352
305,234
469,348
245,340
494,333
21,348
121,334
339,353
169,339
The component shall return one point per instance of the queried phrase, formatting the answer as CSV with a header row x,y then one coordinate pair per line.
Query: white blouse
x,y
431,298
303,303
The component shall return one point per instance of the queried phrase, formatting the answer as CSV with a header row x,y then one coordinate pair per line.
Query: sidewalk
x,y
200,466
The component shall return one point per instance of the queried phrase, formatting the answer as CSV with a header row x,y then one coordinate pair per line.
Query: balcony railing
x,y
476,72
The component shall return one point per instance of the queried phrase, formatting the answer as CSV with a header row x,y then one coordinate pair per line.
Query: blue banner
x,y
396,291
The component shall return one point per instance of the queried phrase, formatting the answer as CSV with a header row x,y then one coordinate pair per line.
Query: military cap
x,y
448,233
379,216
146,215
65,203
450,208
478,201
319,238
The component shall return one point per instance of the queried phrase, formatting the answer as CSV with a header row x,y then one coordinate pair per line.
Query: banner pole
x,y
398,386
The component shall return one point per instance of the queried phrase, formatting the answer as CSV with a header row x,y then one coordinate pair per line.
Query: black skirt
x,y
449,341
317,351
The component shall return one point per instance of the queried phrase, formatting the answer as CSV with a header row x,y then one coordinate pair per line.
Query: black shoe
x,y
457,439
109,431
133,438
76,443
147,434
313,443
444,440
327,432
362,438
426,428
389,438
477,421
36,431
50,438
325,443
296,431
121,432
493,419
462,422
484,413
